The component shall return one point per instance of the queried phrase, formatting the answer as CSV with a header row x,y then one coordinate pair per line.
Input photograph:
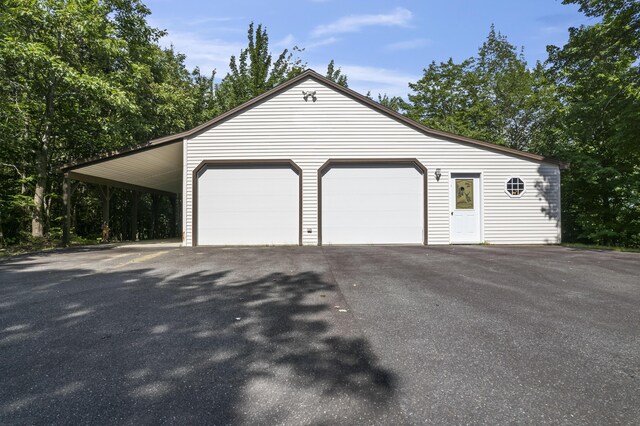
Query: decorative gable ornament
x,y
306,94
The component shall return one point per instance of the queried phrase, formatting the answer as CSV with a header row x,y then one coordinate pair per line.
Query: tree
x,y
443,97
598,80
54,57
493,96
395,103
335,74
80,79
254,71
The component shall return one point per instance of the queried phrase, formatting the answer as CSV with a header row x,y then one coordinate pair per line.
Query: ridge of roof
x,y
309,73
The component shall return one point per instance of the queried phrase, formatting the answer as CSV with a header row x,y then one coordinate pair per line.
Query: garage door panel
x,y
244,236
368,220
367,201
261,204
248,206
372,205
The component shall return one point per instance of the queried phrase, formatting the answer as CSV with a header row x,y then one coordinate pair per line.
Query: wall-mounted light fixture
x,y
306,94
438,174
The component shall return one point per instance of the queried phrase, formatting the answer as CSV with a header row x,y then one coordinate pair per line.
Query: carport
x,y
155,168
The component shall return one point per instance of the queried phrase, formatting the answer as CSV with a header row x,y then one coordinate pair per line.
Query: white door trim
x,y
466,173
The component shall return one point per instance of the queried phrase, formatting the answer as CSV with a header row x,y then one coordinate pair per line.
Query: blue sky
x,y
380,45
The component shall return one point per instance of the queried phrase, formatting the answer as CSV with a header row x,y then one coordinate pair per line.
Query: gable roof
x,y
178,137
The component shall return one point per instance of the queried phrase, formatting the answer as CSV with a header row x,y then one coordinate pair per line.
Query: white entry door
x,y
372,204
465,208
253,205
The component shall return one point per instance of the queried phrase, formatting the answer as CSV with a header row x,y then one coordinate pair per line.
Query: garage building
x,y
311,162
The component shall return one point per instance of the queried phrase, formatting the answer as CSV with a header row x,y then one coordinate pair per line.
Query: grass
x,y
41,245
597,247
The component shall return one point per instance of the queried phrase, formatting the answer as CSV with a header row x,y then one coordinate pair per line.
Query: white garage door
x,y
372,204
248,206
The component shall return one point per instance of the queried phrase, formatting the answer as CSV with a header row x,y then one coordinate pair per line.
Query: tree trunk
x,y
42,167
37,221
68,189
174,215
106,197
155,215
135,200
66,201
105,205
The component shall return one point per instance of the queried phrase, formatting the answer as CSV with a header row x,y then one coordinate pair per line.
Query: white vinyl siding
x,y
336,126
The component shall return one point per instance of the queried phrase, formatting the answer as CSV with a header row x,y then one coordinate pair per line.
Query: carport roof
x,y
158,164
152,168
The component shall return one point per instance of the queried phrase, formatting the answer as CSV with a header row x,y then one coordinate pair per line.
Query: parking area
x,y
146,334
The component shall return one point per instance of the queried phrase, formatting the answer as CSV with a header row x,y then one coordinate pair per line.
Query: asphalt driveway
x,y
310,335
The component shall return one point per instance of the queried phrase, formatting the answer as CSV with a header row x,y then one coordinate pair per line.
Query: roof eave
x,y
346,91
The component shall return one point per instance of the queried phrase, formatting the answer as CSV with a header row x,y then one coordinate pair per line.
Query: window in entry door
x,y
464,194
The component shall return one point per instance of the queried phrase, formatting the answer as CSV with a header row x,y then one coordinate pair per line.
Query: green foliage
x,y
80,79
335,74
395,103
254,71
493,96
598,81
443,97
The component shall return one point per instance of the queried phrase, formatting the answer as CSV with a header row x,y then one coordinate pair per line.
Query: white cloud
x,y
210,20
206,53
363,79
205,27
377,75
213,52
290,41
352,23
286,42
408,44
323,42
553,29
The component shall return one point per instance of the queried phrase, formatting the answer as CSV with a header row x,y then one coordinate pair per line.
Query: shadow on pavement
x,y
133,347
